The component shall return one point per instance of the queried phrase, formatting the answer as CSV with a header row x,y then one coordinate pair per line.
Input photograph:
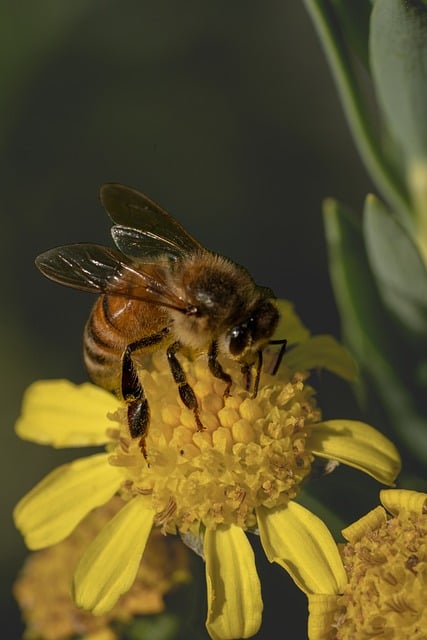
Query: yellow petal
x,y
233,587
102,634
369,522
396,499
358,445
109,565
321,610
322,352
63,414
51,510
300,542
290,325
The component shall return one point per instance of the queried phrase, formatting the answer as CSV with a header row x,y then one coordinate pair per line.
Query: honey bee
x,y
162,289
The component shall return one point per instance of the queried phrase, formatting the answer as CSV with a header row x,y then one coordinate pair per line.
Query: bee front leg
x,y
258,373
133,392
186,393
216,370
283,342
246,370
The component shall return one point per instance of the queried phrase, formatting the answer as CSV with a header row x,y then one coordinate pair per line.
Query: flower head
x,y
240,474
380,574
43,587
253,451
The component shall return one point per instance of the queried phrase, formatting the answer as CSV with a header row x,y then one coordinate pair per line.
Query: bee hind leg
x,y
186,392
134,396
133,392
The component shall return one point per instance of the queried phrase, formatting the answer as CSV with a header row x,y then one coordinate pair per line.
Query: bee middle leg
x,y
186,393
216,369
132,391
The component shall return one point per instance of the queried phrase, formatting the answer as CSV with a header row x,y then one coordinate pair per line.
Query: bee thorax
x,y
192,331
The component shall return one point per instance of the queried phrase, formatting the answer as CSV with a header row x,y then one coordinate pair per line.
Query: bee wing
x,y
142,228
98,269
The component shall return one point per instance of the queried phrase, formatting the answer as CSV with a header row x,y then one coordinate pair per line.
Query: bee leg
x,y
133,392
139,420
283,342
185,391
247,375
216,370
276,366
259,365
258,373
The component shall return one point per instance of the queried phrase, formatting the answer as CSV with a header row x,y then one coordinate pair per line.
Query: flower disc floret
x,y
251,453
385,561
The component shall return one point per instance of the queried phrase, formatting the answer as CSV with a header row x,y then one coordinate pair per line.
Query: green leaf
x,y
354,19
368,329
399,271
398,49
164,626
332,20
355,292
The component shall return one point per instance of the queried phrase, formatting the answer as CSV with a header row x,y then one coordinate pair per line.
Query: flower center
x,y
251,452
385,596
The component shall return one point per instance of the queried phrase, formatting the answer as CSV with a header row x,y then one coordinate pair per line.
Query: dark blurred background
x,y
223,112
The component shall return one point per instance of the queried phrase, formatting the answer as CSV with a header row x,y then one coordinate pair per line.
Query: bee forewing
x,y
83,266
94,268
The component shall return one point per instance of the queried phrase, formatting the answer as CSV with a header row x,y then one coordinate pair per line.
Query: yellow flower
x,y
43,587
377,582
211,487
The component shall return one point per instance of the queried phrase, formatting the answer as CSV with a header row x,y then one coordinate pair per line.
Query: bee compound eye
x,y
264,321
239,339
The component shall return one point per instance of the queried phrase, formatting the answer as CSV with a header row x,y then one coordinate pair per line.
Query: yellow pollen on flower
x,y
387,579
251,452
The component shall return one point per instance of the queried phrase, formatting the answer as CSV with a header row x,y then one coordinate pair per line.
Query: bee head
x,y
255,331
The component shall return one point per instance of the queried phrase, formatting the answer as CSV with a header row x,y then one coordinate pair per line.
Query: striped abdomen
x,y
114,323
